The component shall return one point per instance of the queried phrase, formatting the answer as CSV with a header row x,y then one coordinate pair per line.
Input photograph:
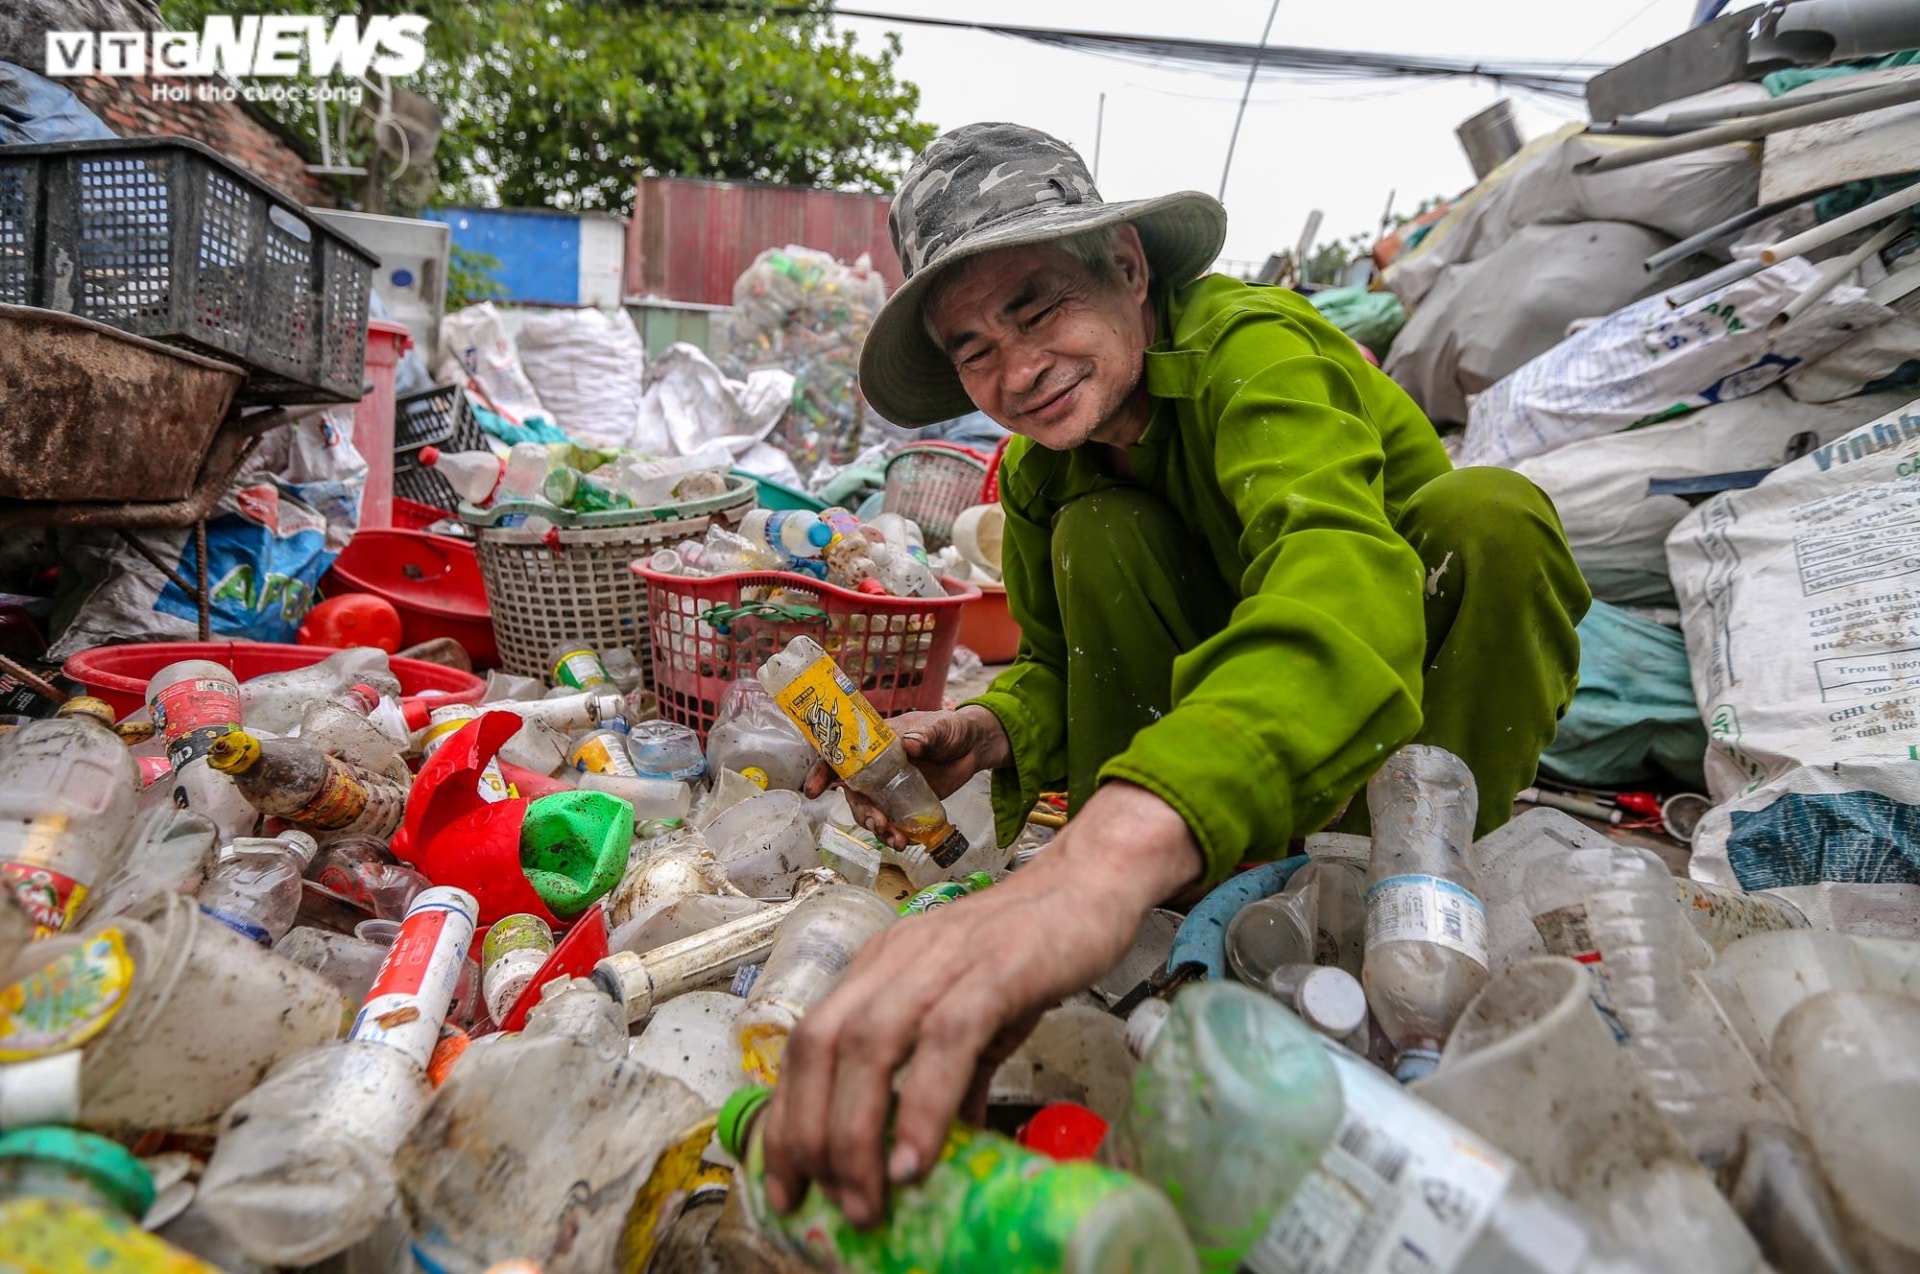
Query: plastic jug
x,y
68,791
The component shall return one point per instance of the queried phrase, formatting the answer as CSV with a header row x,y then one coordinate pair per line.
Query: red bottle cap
x,y
1064,1131
429,456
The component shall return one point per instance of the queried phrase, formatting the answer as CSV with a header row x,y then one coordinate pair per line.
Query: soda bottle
x,y
295,781
1287,1154
303,1168
987,1206
859,746
578,666
350,961
69,789
473,475
1426,951
723,552
255,886
192,703
946,891
813,950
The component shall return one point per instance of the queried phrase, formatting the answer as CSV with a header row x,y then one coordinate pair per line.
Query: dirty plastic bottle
x,y
600,752
350,961
293,780
904,575
1286,1153
69,789
71,1200
198,787
815,947
275,701
859,746
628,676
192,703
343,726
515,948
362,870
666,750
172,851
651,798
255,886
987,1206
473,475
1426,928
304,1164
750,732
1614,910
574,712
578,666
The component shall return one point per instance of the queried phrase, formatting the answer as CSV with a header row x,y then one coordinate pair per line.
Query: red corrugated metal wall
x,y
689,240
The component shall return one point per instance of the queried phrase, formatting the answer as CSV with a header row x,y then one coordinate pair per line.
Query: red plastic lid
x,y
1064,1131
429,456
415,712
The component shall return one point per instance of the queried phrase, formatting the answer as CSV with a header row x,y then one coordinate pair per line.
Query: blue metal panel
x,y
539,252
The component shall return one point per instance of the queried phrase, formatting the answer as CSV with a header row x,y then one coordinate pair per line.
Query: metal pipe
x,y
1747,130
1733,272
1833,272
1692,245
1707,117
1842,226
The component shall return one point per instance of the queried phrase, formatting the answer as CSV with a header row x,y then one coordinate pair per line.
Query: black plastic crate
x,y
165,238
437,418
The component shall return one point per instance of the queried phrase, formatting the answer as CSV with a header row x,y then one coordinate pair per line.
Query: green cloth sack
x,y
1371,318
574,846
1633,716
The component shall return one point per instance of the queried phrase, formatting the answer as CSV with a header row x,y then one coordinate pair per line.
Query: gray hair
x,y
1092,248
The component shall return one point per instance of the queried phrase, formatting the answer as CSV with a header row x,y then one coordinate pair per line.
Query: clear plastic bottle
x,y
815,947
796,533
69,790
1614,909
172,852
350,961
304,1164
192,703
255,886
628,676
1286,1153
666,750
751,733
525,473
198,787
859,746
275,701
578,666
1033,1214
1426,953
473,475
568,488
293,780
362,870
343,726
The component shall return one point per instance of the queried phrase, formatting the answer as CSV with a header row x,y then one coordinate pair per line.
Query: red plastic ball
x,y
355,619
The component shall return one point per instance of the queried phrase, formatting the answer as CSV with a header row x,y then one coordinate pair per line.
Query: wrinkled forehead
x,y
985,289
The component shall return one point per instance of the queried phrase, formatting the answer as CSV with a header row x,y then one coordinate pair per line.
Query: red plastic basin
x,y
432,580
987,627
119,674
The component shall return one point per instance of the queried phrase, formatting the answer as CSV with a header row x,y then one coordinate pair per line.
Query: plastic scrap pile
x,y
801,310
295,970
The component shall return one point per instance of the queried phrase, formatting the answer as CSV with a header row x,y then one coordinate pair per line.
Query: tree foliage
x,y
563,104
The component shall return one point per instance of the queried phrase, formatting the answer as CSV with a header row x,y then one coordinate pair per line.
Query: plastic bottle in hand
x,y
69,789
987,1206
811,954
473,475
304,1165
255,886
293,780
860,747
1426,928
1287,1154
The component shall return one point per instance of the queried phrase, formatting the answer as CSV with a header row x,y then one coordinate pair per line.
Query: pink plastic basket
x,y
710,632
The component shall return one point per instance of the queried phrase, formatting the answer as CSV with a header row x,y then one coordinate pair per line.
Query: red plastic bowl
x,y
119,674
432,580
987,627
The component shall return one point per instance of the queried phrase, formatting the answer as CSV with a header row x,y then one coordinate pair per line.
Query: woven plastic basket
x,y
932,483
575,583
708,633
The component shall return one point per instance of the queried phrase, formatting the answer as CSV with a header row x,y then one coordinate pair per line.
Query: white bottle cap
x,y
45,1090
1144,1023
1332,1002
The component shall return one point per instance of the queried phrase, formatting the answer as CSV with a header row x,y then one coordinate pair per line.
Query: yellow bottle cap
x,y
234,753
755,775
87,706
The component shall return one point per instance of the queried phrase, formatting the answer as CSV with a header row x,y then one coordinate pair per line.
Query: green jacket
x,y
1290,456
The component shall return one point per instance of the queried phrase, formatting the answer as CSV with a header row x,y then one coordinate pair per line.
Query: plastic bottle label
x,y
603,752
581,669
836,718
245,926
192,714
1427,909
67,1002
408,1000
51,898
1398,1189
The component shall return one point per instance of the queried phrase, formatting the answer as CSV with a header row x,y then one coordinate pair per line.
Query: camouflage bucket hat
x,y
988,186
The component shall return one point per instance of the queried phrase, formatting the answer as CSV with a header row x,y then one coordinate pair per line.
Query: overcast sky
x,y
1339,147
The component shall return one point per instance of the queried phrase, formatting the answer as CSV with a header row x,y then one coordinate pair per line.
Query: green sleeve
x,y
1316,677
1030,697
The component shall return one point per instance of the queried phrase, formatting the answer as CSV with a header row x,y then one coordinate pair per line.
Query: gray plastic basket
x,y
576,584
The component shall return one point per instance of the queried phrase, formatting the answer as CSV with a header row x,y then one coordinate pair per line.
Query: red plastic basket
x,y
710,632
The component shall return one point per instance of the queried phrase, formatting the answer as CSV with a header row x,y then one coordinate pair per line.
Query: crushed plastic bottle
x,y
859,746
750,732
69,789
255,887
666,750
293,780
1034,1214
1426,953
362,870
815,947
274,702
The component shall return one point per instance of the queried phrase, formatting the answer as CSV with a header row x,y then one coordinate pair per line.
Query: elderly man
x,y
1244,570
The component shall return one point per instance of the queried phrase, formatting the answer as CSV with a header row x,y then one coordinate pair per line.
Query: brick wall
x,y
236,129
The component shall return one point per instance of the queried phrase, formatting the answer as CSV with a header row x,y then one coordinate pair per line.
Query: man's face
x,y
1042,345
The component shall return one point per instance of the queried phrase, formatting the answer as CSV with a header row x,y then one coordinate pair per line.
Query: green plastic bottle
x,y
574,847
945,892
989,1206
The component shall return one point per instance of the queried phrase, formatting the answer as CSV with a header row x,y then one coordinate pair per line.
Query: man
x,y
1244,573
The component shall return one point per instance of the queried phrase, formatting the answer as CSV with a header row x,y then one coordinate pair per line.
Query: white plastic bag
x,y
476,351
690,404
589,370
1801,604
1653,360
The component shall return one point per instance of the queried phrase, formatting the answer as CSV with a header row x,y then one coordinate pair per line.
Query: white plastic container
x,y
764,843
69,789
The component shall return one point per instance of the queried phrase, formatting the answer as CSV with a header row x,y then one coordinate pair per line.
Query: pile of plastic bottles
x,y
579,479
301,971
885,557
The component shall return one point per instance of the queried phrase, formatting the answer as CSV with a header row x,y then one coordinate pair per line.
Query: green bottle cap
x,y
737,1115
109,1166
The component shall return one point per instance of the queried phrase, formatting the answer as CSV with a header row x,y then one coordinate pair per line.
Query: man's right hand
x,y
948,747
